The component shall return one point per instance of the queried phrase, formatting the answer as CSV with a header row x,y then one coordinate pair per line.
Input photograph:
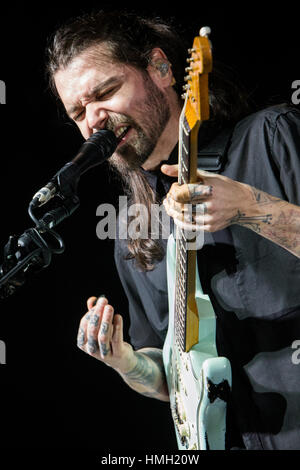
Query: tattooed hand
x,y
211,204
225,202
101,335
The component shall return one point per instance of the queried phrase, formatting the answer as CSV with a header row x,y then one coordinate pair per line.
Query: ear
x,y
160,69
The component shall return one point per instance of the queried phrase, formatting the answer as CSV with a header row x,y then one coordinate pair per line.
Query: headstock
x,y
196,88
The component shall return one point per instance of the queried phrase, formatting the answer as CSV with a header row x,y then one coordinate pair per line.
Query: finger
x,y
117,337
81,337
94,319
170,170
199,192
91,301
169,203
191,217
190,193
82,331
105,331
180,210
180,207
190,227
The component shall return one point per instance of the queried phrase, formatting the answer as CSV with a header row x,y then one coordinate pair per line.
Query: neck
x,y
167,140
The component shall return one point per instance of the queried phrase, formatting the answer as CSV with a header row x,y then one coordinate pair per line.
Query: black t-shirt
x,y
252,283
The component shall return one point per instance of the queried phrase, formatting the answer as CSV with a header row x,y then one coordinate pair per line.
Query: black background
x,y
52,395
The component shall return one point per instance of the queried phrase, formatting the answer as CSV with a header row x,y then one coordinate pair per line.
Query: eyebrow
x,y
98,88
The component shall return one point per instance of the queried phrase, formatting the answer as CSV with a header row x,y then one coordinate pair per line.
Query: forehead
x,y
84,72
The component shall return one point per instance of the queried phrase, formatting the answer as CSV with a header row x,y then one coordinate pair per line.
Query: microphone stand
x,y
31,252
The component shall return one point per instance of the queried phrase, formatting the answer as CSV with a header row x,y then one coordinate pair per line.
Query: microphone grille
x,y
105,140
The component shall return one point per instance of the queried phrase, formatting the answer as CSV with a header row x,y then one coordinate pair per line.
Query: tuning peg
x,y
188,69
190,59
191,50
187,78
205,31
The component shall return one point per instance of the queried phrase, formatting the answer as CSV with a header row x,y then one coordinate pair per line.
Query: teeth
x,y
121,130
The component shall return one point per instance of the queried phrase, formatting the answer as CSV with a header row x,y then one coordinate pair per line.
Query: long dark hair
x,y
129,39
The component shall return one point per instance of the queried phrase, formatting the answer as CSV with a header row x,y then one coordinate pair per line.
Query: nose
x,y
96,116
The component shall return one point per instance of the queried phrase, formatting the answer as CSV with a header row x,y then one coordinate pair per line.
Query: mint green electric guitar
x,y
199,380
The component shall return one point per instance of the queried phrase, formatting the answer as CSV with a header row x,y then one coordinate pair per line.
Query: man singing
x,y
122,72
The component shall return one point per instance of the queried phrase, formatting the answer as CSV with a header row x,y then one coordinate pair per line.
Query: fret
x,y
183,180
185,149
185,127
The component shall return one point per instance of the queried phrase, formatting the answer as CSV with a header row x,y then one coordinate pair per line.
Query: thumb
x,y
170,170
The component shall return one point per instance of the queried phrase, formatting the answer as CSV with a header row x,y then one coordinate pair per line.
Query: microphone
x,y
94,151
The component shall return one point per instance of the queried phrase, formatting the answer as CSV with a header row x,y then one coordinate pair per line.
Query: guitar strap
x,y
213,155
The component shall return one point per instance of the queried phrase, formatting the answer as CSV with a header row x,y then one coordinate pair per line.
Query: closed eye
x,y
99,97
107,94
79,116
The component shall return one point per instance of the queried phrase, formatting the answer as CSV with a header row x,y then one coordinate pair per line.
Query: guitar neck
x,y
186,313
195,110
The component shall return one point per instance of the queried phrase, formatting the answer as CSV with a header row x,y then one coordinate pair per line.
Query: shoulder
x,y
268,118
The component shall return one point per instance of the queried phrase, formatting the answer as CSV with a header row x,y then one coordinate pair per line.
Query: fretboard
x,y
181,241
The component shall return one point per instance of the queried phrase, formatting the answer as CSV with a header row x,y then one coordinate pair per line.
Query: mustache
x,y
114,121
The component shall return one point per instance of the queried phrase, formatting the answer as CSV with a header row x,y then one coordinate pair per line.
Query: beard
x,y
153,114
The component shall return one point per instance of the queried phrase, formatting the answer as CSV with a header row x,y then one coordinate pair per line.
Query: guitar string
x,y
181,245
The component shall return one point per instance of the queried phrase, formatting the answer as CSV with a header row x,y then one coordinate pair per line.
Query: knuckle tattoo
x,y
94,320
102,338
92,345
104,349
104,328
80,338
88,316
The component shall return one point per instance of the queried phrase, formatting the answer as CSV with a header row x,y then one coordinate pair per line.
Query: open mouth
x,y
121,133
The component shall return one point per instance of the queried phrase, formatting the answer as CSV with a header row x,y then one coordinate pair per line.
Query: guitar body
x,y
199,381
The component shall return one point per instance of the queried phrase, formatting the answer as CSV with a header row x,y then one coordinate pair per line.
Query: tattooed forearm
x,y
261,197
143,372
273,218
286,229
254,223
148,376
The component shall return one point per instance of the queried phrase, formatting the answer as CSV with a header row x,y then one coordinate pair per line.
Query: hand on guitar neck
x,y
101,336
225,202
220,198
